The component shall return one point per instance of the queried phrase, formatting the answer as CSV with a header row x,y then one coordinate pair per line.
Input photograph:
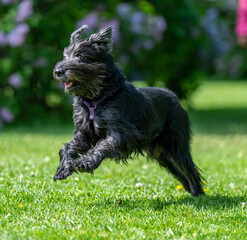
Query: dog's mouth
x,y
72,87
68,84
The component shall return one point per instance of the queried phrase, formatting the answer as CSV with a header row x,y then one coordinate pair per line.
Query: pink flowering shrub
x,y
165,43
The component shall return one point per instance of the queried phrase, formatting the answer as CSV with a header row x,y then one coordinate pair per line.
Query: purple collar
x,y
91,106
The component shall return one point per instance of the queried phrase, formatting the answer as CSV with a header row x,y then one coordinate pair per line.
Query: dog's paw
x,y
63,172
83,166
86,167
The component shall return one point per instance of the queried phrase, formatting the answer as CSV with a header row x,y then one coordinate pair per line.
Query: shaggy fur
x,y
126,119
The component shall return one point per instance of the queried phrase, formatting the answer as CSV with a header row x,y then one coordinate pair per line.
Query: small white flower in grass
x,y
20,177
170,232
43,186
155,197
243,205
47,159
240,154
76,179
1,179
7,216
145,166
139,185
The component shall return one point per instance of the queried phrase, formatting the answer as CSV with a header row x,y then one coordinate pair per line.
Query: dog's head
x,y
86,64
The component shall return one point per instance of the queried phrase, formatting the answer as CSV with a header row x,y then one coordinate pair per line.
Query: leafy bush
x,y
164,43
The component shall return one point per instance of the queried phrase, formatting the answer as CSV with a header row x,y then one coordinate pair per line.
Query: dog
x,y
114,119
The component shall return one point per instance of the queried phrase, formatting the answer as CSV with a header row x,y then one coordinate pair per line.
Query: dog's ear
x,y
103,39
77,34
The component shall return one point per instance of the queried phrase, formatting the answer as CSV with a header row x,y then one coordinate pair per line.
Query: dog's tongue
x,y
68,84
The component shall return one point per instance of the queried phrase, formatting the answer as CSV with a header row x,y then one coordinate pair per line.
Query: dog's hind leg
x,y
166,162
184,170
176,145
176,140
183,162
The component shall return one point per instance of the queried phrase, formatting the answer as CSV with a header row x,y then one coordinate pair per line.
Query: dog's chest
x,y
96,128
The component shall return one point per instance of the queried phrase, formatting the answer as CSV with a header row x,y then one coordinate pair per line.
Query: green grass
x,y
108,205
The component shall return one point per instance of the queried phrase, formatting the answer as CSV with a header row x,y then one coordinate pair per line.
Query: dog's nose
x,y
59,72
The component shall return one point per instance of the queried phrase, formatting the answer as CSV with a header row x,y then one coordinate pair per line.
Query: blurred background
x,y
173,44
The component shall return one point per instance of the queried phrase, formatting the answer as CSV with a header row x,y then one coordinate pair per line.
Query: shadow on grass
x,y
160,204
211,202
220,121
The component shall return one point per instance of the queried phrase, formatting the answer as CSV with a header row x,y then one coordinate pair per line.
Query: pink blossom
x,y
91,20
124,9
156,26
7,2
15,80
137,21
241,27
25,10
3,39
160,24
17,36
6,115
148,44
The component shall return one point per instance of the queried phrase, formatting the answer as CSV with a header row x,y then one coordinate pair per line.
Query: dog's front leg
x,y
107,148
69,152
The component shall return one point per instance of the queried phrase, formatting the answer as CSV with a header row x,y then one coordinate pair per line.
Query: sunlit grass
x,y
138,201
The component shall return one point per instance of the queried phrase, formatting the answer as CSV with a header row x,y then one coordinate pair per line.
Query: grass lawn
x,y
111,204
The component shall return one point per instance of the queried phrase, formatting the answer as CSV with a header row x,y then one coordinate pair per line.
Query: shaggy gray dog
x,y
113,118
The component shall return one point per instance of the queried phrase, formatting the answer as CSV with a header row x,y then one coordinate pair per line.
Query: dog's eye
x,y
83,58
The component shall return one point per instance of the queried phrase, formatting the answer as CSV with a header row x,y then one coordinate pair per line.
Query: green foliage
x,y
164,43
111,204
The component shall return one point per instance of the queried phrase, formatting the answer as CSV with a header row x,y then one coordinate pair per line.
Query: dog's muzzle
x,y
59,72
